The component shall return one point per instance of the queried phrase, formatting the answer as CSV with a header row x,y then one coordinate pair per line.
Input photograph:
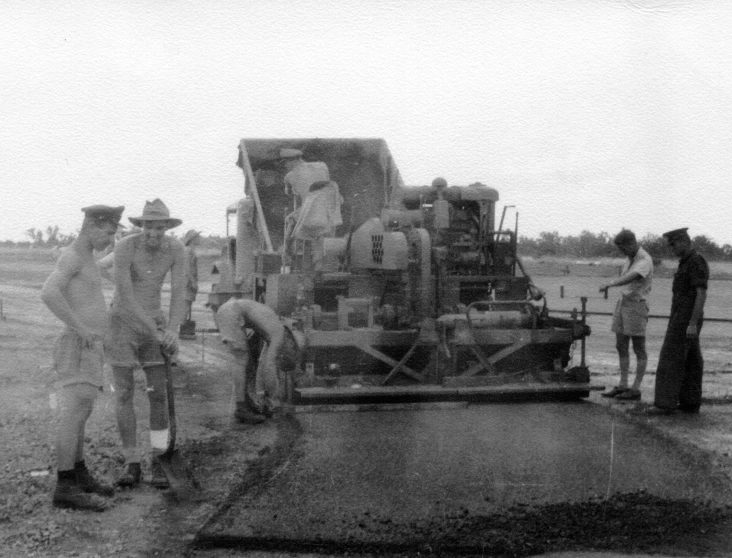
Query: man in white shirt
x,y
631,313
317,203
301,175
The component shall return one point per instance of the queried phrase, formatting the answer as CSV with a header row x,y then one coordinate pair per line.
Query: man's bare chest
x,y
87,281
151,266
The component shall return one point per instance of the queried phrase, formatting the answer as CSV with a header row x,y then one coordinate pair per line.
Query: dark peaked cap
x,y
104,213
676,233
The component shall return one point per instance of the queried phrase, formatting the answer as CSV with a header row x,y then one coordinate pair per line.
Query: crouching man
x,y
73,292
270,349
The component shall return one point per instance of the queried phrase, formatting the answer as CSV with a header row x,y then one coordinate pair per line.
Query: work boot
x,y
245,416
617,390
258,409
158,479
71,495
659,412
690,409
130,477
630,394
89,483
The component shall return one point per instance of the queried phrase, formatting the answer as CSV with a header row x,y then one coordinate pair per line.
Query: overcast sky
x,y
584,115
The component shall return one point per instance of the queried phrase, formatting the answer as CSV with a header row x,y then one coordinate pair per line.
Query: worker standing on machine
x,y
317,207
271,348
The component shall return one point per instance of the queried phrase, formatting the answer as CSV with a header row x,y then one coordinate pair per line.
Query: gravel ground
x,y
140,522
226,460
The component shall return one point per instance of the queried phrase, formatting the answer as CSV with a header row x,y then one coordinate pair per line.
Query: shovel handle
x,y
171,403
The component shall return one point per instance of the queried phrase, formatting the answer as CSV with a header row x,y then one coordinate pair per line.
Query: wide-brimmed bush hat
x,y
190,235
155,210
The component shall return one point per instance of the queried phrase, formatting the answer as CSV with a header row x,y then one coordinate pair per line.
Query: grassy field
x,y
30,268
584,280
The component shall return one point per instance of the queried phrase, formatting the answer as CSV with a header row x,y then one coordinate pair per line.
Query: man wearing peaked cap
x,y
101,213
140,331
680,364
676,233
73,293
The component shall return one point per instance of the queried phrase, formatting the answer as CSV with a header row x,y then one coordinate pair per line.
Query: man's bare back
x,y
263,319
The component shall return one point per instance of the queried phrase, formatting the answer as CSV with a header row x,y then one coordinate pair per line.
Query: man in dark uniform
x,y
680,364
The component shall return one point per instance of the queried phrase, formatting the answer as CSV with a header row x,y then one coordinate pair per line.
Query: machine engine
x,y
417,298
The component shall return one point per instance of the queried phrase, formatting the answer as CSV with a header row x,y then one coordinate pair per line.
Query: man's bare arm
x,y
622,280
178,308
68,266
104,265
125,294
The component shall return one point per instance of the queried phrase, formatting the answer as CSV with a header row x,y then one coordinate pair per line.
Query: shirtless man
x,y
139,331
256,385
73,292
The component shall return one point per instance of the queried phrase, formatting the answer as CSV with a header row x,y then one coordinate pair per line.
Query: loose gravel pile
x,y
625,522
629,522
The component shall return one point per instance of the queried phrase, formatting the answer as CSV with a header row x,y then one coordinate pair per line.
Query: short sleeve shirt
x,y
642,264
305,175
692,274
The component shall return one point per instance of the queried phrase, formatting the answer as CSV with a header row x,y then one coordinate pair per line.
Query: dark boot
x,y
158,479
130,477
245,415
250,406
70,495
89,483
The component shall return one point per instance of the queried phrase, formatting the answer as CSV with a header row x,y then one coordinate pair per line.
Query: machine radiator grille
x,y
377,248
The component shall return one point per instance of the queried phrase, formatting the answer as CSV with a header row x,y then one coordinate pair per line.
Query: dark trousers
x,y
680,369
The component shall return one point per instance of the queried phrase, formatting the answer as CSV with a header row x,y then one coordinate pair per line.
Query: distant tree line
x,y
585,245
52,237
591,245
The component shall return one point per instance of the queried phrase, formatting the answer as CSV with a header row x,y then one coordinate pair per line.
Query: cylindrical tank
x,y
497,319
247,243
441,209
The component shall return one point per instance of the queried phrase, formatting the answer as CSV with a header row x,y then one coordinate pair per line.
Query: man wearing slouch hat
x,y
140,331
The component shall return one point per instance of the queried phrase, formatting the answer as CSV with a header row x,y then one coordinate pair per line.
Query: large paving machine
x,y
420,296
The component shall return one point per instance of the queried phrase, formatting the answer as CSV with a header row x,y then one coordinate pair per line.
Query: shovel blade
x,y
183,485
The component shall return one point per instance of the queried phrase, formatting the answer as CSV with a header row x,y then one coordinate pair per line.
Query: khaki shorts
x,y
126,347
630,317
74,363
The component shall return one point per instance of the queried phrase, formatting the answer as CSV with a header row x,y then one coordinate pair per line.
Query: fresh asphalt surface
x,y
351,472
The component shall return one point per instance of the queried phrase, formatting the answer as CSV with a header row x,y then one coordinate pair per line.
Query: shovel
x,y
183,485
